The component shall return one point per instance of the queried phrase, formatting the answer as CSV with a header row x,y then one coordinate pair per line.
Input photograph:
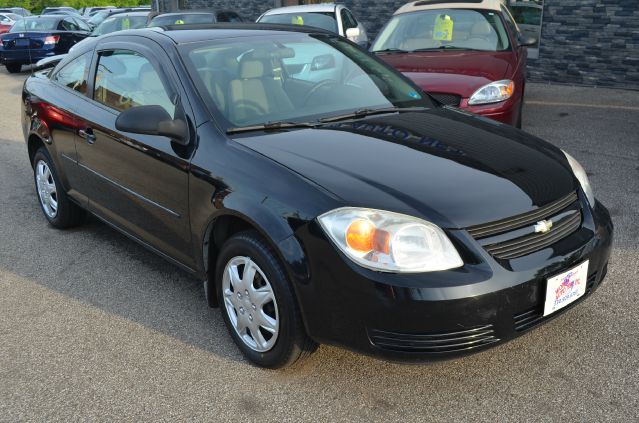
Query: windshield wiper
x,y
370,112
269,126
390,51
447,47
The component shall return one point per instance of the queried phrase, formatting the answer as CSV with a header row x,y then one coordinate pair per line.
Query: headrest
x,y
482,28
250,68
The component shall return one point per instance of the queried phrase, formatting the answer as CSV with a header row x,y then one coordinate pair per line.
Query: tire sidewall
x,y
248,246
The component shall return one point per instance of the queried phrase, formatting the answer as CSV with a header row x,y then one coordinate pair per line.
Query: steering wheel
x,y
322,84
248,107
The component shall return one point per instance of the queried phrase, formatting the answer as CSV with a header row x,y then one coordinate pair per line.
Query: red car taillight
x,y
51,39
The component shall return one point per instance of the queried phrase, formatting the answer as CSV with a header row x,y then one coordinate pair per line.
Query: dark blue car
x,y
39,37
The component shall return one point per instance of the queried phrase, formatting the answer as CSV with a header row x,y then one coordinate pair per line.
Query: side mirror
x,y
323,62
153,120
352,33
526,41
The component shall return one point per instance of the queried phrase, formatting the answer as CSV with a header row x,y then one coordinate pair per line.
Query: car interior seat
x,y
482,37
256,91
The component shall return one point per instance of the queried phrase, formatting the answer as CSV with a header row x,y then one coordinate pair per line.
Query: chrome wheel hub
x,y
250,304
47,193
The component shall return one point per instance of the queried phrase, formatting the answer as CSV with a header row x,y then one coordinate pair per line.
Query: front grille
x,y
529,241
535,315
447,99
443,342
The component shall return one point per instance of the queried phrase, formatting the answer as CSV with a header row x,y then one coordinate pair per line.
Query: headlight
x,y
493,93
582,177
390,242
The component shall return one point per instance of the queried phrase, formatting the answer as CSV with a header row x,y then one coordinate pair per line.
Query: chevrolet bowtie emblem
x,y
543,226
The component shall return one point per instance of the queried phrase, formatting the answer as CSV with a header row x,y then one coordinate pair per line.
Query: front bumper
x,y
505,112
442,314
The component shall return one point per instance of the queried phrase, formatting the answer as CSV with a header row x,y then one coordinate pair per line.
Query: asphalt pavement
x,y
94,327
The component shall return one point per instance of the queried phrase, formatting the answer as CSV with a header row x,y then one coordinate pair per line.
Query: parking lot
x,y
94,327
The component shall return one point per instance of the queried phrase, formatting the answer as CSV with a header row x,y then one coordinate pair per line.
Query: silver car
x,y
329,16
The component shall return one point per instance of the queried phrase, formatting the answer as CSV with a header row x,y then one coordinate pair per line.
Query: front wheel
x,y
13,67
59,210
258,304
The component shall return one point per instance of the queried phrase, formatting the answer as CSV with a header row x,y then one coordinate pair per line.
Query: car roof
x,y
131,13
494,5
309,8
188,33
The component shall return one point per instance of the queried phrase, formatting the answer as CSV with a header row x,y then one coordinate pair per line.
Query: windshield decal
x,y
443,28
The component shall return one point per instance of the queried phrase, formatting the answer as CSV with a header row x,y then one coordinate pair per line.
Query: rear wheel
x,y
59,210
258,304
13,67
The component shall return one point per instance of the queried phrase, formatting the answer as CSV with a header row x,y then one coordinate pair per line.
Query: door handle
x,y
88,135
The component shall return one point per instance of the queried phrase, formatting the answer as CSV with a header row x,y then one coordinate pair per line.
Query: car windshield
x,y
35,24
182,19
444,28
12,16
318,20
119,23
293,78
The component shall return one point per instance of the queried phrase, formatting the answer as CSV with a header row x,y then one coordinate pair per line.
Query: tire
x,y
13,67
271,295
59,210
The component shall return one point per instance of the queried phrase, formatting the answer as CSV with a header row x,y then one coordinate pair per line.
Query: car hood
x,y
452,168
461,73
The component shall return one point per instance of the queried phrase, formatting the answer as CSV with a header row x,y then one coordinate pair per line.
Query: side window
x,y
222,17
74,74
126,79
511,24
69,24
81,25
348,20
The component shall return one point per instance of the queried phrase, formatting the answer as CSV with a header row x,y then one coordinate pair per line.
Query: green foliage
x,y
35,6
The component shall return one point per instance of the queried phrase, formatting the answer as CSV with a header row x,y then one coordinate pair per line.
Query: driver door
x,y
138,183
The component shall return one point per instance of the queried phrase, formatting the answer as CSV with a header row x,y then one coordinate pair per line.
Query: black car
x,y
39,37
193,17
349,209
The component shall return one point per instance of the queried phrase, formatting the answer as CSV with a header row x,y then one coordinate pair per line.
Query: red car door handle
x,y
88,135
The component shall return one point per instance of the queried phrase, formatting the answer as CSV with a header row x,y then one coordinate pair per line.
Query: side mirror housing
x,y
526,41
352,33
153,120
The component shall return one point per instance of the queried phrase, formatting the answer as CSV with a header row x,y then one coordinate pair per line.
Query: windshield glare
x,y
318,20
293,78
444,28
35,24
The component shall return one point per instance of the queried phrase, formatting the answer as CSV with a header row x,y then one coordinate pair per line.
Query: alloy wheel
x,y
47,191
250,304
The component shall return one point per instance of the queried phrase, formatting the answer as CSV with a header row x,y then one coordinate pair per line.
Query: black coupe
x,y
320,195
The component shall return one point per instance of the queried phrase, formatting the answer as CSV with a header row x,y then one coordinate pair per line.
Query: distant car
x,y
49,10
528,17
121,22
329,16
7,20
17,10
196,17
38,37
467,55
87,11
100,15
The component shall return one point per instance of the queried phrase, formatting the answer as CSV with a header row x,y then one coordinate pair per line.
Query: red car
x,y
465,54
7,20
